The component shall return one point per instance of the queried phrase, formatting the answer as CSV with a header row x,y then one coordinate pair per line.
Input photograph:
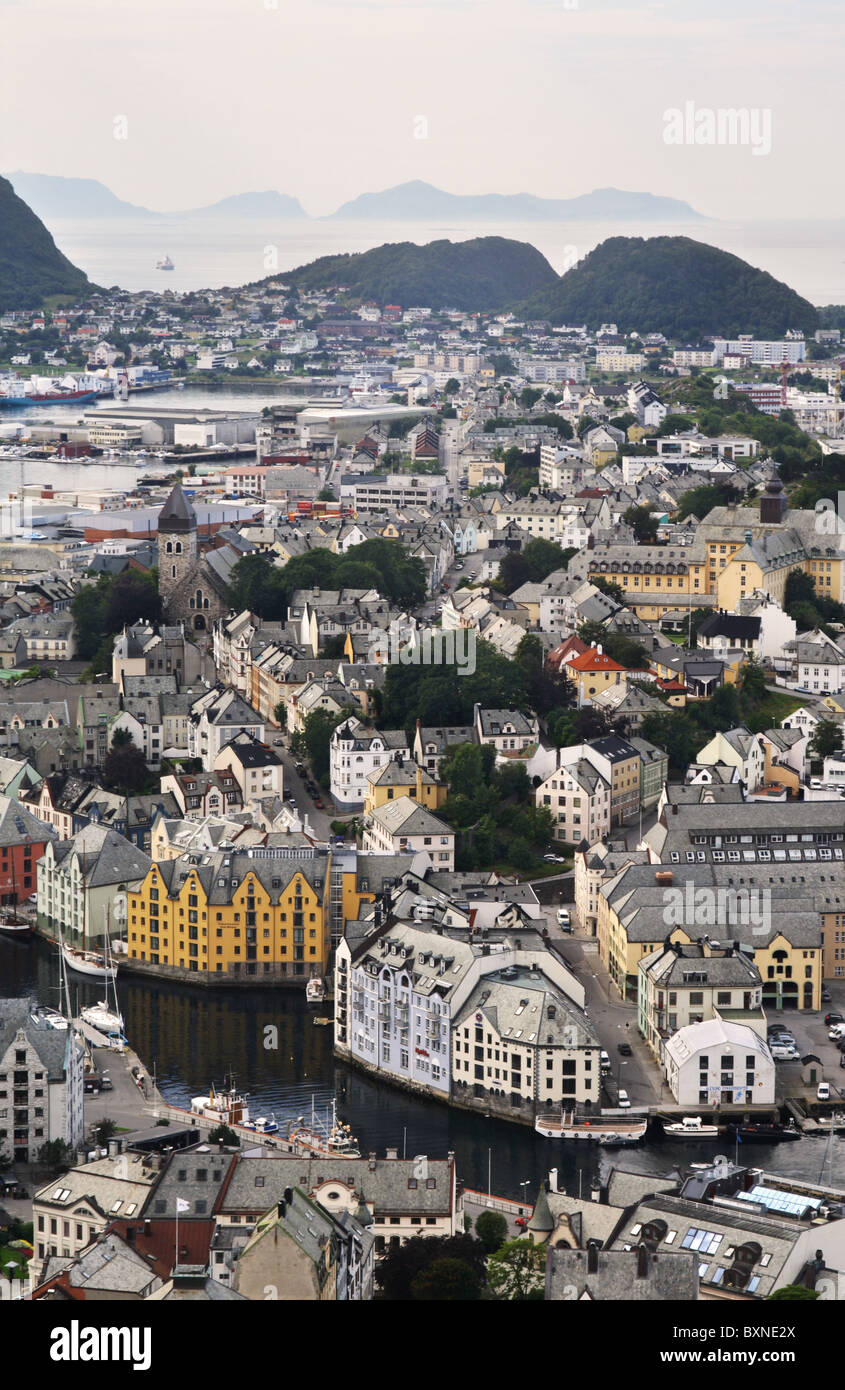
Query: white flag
x,y
182,1206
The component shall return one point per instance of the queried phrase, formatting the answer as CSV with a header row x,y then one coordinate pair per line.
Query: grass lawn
x,y
774,707
19,1257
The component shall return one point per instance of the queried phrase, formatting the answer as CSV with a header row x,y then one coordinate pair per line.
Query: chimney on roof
x,y
593,1257
372,1163
642,1261
391,1153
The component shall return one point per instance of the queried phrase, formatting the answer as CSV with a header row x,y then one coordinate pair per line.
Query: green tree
x,y
793,1293
753,688
643,522
124,767
447,1280
317,732
516,1272
402,1264
491,1228
280,714
826,740
607,586
223,1135
56,1155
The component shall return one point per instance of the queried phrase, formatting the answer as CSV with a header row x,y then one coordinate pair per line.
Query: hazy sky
x,y
322,98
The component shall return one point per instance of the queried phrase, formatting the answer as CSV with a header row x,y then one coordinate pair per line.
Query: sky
x,y
176,103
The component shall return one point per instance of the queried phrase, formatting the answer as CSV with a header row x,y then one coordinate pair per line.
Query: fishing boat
x,y
601,1130
333,1140
758,1132
690,1127
226,1107
165,264
315,990
262,1125
12,925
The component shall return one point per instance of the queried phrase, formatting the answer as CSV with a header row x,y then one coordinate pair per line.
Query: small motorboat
x,y
315,990
691,1127
322,1022
758,1132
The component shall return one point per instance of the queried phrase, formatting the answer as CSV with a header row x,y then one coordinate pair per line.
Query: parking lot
x,y
811,1039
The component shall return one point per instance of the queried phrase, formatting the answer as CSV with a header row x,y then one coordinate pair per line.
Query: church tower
x,y
177,545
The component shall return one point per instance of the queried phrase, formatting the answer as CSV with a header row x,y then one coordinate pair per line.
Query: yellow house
x,y
592,672
633,919
231,914
403,777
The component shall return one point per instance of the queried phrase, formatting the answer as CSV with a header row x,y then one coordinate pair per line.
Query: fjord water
x,y
193,1036
807,255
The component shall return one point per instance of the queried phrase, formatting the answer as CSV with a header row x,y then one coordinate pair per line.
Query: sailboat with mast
x,y
100,965
101,1015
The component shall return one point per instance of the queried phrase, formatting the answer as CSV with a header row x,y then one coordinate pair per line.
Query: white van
x,y
604,1063
623,1102
823,1090
563,919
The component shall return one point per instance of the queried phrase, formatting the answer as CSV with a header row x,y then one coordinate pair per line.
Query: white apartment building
x,y
403,827
70,1211
411,1002
763,353
215,718
387,492
41,1085
354,753
578,797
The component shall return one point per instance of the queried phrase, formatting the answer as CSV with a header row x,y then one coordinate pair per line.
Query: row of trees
x,y
385,565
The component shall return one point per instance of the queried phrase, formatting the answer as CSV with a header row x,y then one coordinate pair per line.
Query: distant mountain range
x,y
32,268
417,202
51,196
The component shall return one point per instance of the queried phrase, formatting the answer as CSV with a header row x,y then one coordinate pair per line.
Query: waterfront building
x,y
252,913
680,985
719,1062
40,1082
411,999
83,884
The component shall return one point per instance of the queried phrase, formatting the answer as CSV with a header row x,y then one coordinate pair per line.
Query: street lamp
x,y
11,1266
523,1185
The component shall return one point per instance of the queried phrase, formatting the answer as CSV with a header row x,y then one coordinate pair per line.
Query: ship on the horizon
x,y
165,264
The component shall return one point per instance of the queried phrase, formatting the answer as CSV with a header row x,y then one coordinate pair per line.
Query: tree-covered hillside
x,y
488,273
32,268
672,285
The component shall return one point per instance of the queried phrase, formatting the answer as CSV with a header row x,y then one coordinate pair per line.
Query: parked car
x,y
563,917
520,1221
823,1090
826,992
318,803
624,1049
834,1018
604,1062
623,1103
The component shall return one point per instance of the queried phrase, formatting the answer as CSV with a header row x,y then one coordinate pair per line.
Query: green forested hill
x,y
32,268
672,285
488,273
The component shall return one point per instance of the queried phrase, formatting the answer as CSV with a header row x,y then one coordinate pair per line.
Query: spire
x,y
362,1212
542,1222
177,514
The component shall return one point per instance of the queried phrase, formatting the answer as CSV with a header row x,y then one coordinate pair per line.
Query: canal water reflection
x,y
192,1036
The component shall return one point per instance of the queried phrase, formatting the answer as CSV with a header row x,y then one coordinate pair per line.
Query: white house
x,y
401,826
46,1066
740,749
717,1062
354,753
216,717
578,797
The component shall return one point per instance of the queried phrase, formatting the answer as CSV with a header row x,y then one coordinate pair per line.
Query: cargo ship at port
x,y
50,398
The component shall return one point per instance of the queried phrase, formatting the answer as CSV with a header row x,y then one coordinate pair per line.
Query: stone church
x,y
191,591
